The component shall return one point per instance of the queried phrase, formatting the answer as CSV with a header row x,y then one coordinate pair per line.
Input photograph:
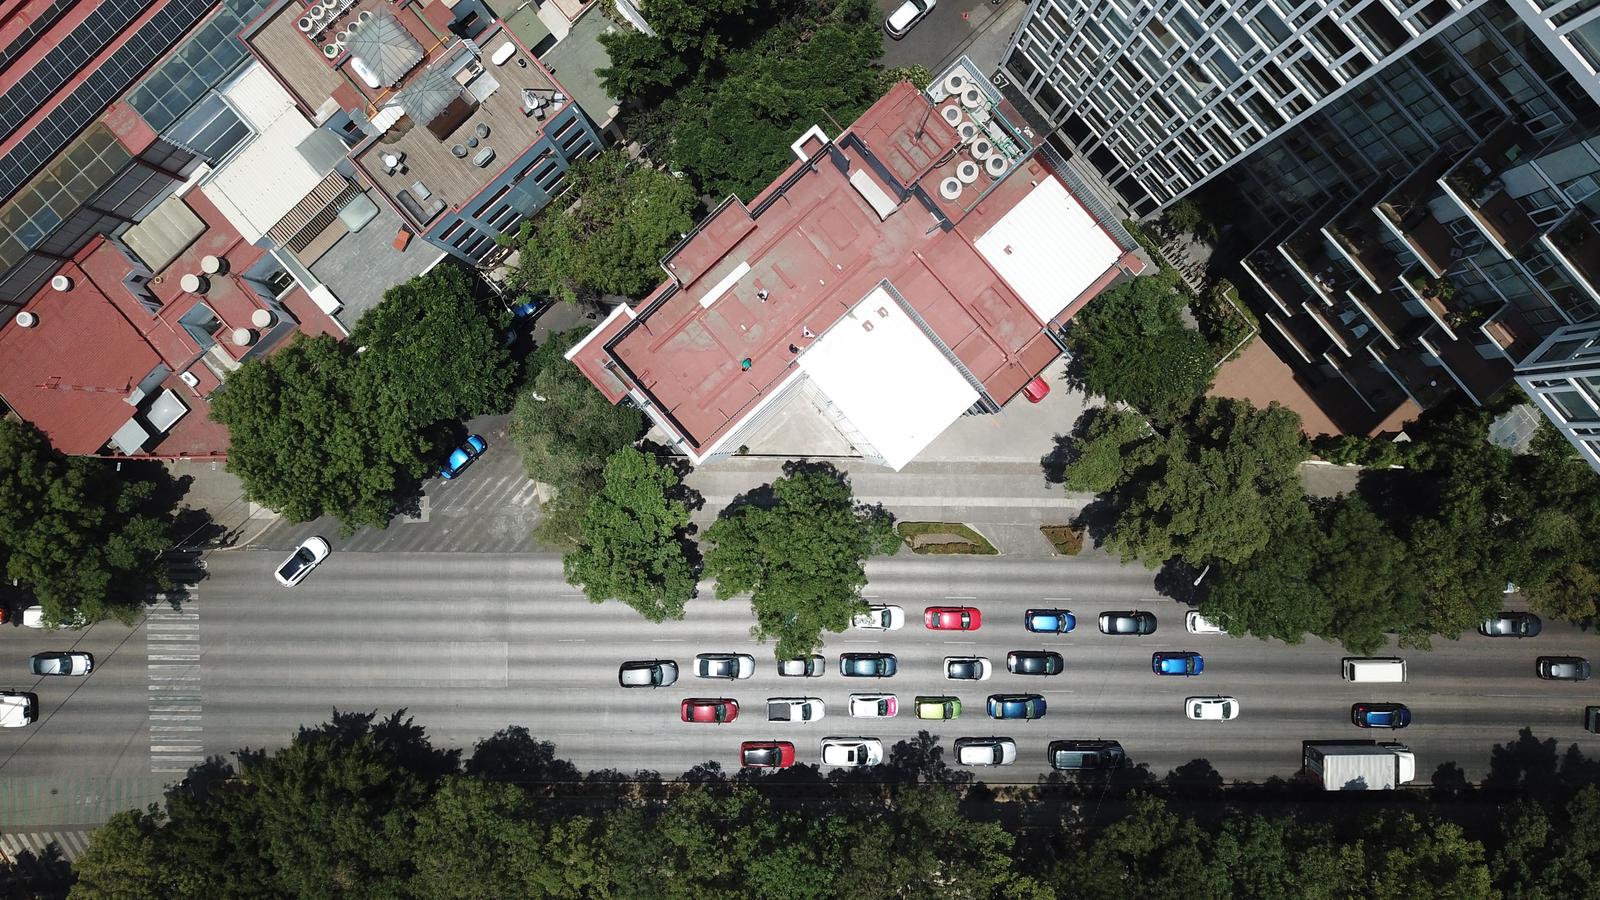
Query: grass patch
x,y
1067,539
944,538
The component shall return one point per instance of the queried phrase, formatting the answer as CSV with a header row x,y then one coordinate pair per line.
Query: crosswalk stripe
x,y
173,680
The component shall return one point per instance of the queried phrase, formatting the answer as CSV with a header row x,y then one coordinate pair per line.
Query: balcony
x,y
1475,185
1577,243
1406,211
1330,274
1479,376
1437,296
1423,383
1355,237
1275,276
1395,323
1510,332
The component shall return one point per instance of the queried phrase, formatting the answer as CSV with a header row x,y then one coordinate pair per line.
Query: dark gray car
x,y
1511,624
1131,621
1084,756
867,665
1563,668
1034,662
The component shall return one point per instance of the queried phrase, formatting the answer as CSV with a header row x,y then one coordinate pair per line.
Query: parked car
x,y
648,673
766,754
952,618
462,456
1511,624
867,665
966,668
938,708
795,709
724,665
1034,662
1049,621
718,711
873,706
850,752
802,667
1380,715
33,617
1135,621
1198,624
1037,389
907,15
18,709
61,662
1085,756
1591,719
880,618
1563,668
1016,706
1211,709
986,751
310,554
1177,662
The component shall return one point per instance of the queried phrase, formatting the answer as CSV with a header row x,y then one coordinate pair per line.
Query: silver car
x,y
803,666
850,752
648,673
724,665
61,662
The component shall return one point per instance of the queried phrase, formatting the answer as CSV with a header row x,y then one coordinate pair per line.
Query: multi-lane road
x,y
471,643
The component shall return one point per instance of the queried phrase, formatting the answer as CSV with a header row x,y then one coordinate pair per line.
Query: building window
x,y
1572,406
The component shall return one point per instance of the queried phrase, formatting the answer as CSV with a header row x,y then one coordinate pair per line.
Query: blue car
x,y
1177,662
462,456
1049,621
1380,715
1016,706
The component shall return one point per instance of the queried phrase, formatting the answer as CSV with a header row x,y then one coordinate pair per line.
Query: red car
x,y
715,712
1037,389
766,754
952,618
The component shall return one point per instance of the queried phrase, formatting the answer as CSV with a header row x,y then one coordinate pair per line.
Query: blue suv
x,y
1049,621
1016,706
1380,715
1177,662
462,456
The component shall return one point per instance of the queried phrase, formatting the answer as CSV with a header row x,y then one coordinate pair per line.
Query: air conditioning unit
x,y
967,171
952,114
955,83
950,188
27,319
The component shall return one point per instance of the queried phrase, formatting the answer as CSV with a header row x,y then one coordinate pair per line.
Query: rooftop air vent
x,y
61,283
967,132
981,148
952,114
955,83
967,171
950,188
971,97
996,165
27,319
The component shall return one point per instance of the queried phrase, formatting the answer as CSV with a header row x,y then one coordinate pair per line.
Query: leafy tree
x,y
73,531
1132,347
1184,216
1410,857
692,37
1217,492
1163,853
1103,453
1550,853
567,430
611,240
801,557
634,547
917,75
125,861
1571,593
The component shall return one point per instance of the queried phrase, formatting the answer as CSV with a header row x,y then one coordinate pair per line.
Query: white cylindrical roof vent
x,y
967,132
61,283
967,171
971,97
950,188
193,284
955,83
304,23
262,318
243,337
996,165
27,319
952,114
981,148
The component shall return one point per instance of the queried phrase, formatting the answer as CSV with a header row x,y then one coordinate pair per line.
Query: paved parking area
x,y
979,28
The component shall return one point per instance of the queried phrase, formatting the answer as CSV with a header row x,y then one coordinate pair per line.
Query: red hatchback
x,y
716,712
766,754
952,618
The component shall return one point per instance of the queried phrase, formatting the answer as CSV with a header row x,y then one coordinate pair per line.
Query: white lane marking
x,y
948,597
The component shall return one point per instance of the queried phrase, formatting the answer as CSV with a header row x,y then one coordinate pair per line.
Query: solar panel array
x,y
66,59
25,38
97,92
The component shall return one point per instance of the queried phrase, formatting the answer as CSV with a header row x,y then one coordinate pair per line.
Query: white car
x,y
17,709
989,751
906,15
850,752
880,618
967,668
873,706
61,662
1198,624
312,550
724,665
1211,709
802,667
33,617
795,709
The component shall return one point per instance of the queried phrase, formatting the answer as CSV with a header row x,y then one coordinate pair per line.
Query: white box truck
x,y
1360,765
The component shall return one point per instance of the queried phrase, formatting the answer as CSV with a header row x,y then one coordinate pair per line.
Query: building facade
x,y
1562,376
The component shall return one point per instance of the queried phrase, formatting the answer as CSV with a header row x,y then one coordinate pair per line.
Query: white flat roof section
x,y
1049,249
269,175
888,379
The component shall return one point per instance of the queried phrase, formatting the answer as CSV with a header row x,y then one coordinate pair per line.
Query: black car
x,y
1085,756
1563,668
866,665
1034,662
1132,621
1511,624
1591,719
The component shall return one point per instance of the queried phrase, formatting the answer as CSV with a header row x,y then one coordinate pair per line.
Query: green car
x,y
938,707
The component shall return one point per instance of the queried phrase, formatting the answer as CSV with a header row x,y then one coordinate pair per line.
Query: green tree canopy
x,y
614,225
800,556
692,38
72,530
634,546
1132,347
319,428
1106,453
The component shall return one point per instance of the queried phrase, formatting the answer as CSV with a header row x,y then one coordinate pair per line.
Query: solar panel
x,y
67,58
34,29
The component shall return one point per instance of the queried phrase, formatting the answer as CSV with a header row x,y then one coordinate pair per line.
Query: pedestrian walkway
x,y
172,651
39,863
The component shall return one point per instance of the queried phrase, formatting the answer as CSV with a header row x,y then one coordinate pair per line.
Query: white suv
x,y
880,618
305,557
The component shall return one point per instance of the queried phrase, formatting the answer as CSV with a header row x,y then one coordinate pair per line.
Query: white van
x,y
1379,670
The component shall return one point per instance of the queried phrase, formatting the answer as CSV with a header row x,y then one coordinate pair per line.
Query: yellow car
x,y
938,707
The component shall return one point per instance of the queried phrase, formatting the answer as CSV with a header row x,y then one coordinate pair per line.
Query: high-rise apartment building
x,y
1562,376
1420,181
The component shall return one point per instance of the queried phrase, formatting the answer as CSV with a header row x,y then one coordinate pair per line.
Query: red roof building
x,y
905,272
